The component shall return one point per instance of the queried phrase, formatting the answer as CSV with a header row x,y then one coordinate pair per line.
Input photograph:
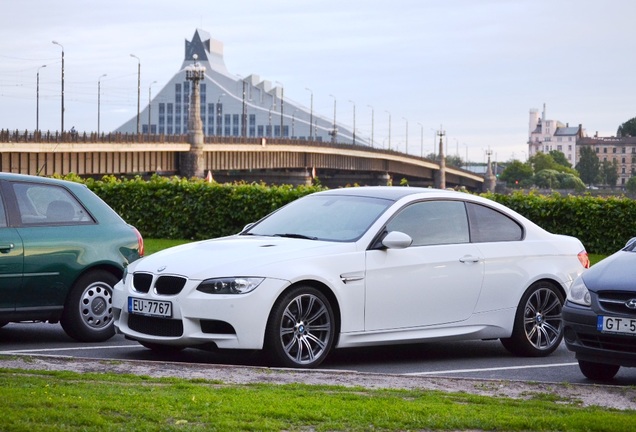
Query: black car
x,y
600,315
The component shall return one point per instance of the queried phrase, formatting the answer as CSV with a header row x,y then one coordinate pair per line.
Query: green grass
x,y
155,245
68,401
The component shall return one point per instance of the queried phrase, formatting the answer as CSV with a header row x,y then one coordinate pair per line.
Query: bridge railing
x,y
8,136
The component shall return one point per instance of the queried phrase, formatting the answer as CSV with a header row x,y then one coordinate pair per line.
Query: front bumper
x,y
582,337
199,319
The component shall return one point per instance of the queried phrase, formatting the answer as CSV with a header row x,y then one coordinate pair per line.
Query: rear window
x,y
489,225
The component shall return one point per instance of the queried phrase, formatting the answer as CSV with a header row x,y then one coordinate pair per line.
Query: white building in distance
x,y
232,106
546,135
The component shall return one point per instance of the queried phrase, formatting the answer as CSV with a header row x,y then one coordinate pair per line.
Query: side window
x,y
488,225
433,223
41,204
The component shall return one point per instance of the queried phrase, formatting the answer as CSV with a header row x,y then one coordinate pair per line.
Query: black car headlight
x,y
229,285
579,293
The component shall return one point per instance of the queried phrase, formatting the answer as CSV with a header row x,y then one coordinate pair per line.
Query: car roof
x,y
32,178
393,193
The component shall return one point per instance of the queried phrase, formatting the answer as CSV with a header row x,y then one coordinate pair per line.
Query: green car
x,y
62,249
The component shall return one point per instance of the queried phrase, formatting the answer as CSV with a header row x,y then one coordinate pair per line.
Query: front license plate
x,y
149,307
608,324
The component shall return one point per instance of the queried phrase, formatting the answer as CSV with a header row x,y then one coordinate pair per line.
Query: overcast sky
x,y
473,67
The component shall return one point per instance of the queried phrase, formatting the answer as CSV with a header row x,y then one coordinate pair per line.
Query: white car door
x,y
436,280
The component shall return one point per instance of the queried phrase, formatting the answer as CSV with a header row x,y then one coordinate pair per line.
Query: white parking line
x,y
456,371
63,349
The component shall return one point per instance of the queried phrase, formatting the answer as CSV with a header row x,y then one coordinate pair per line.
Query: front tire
x,y
301,328
598,371
88,311
538,326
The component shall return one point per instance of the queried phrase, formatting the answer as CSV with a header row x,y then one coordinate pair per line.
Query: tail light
x,y
584,259
140,241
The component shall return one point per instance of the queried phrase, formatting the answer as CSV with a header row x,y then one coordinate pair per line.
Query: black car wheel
x,y
538,327
88,312
598,371
301,328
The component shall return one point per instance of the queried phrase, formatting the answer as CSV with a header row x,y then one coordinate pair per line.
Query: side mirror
x,y
630,242
397,240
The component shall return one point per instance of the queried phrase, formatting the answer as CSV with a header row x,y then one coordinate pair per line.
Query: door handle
x,y
5,248
469,259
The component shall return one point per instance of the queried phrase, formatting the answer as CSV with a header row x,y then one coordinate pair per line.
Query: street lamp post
x,y
37,100
311,114
99,96
62,125
219,115
389,129
421,139
282,97
150,106
407,136
334,132
372,120
354,121
138,88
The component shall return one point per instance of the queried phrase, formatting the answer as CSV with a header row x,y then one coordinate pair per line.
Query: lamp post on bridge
x,y
150,108
421,139
311,114
282,97
389,128
99,97
334,131
407,136
372,115
138,88
441,175
354,121
61,46
37,100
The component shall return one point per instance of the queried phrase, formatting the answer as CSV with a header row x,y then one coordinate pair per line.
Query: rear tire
x,y
598,371
301,328
88,311
538,326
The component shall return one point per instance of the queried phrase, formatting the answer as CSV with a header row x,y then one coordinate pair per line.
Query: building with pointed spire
x,y
232,106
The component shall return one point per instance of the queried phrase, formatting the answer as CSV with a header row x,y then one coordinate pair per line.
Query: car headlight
x,y
230,285
579,293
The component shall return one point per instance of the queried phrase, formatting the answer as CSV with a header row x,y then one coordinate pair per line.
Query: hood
x,y
236,256
616,272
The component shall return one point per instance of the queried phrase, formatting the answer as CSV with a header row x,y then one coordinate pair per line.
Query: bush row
x,y
603,224
176,208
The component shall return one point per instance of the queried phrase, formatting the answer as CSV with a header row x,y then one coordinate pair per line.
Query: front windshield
x,y
323,217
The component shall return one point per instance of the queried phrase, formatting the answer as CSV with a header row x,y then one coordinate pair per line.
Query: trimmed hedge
x,y
603,224
177,208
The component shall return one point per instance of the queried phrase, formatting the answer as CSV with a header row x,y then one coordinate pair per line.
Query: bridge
x,y
270,160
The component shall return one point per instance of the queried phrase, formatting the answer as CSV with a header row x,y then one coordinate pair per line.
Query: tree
x,y
588,166
608,173
517,174
628,128
631,186
559,158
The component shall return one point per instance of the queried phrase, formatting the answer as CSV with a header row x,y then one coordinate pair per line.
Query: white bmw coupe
x,y
354,267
